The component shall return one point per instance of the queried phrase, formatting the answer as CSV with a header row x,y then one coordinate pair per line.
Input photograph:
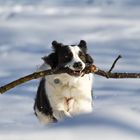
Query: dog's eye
x,y
66,56
82,56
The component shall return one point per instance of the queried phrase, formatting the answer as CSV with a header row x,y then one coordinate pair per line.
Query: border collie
x,y
62,95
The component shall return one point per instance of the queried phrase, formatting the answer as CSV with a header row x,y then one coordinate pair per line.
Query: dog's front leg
x,y
61,108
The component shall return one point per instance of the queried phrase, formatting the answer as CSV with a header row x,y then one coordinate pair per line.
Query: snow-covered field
x,y
26,33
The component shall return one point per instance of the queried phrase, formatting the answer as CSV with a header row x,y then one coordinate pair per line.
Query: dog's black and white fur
x,y
63,95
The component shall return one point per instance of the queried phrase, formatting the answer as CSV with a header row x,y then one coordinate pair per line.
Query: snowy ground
x,y
26,33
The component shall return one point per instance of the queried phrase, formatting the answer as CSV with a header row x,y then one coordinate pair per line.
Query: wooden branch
x,y
113,65
117,75
40,74
89,69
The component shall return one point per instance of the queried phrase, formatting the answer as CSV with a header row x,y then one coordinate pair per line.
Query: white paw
x,y
60,115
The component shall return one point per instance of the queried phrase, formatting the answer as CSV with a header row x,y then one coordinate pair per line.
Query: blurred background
x,y
110,27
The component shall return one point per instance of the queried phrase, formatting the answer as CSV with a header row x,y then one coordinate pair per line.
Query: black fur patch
x,y
41,101
83,46
64,55
89,59
59,57
52,60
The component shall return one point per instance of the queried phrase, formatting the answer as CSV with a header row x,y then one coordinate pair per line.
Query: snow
x,y
26,33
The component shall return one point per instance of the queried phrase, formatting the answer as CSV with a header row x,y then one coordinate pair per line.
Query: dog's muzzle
x,y
77,68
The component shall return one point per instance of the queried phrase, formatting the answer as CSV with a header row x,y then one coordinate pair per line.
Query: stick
x,y
117,75
113,65
89,69
37,75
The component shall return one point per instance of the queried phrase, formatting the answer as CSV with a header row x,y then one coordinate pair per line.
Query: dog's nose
x,y
77,65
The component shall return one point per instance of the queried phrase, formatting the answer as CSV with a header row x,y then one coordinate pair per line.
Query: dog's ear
x,y
56,45
89,59
83,45
51,60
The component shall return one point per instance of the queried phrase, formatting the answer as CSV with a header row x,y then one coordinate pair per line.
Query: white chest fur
x,y
68,94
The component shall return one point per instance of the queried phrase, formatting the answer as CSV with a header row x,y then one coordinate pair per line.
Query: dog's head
x,y
75,57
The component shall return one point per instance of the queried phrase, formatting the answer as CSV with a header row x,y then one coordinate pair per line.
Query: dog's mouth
x,y
76,73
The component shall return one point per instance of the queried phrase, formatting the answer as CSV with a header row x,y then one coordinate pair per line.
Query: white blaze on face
x,y
75,51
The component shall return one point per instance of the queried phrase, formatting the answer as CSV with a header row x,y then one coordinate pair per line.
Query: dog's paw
x,y
60,114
